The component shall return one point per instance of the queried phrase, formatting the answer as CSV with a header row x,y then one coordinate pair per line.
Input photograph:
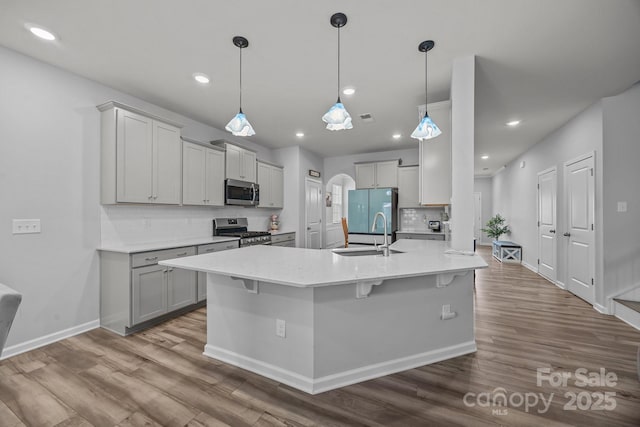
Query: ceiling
x,y
539,61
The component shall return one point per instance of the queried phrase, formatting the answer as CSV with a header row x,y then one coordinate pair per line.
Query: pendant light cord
x,y
241,80
339,64
425,83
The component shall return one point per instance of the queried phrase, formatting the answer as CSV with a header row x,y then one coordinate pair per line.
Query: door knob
x,y
552,231
308,228
567,234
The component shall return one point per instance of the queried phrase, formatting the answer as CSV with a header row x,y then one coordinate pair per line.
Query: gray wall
x,y
50,169
515,188
621,180
484,186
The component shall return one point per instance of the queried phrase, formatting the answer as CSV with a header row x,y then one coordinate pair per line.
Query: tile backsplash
x,y
417,219
122,225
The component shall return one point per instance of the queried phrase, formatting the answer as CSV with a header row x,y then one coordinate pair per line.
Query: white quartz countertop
x,y
155,246
321,267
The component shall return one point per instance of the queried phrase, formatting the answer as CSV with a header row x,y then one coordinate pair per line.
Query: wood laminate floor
x,y
523,323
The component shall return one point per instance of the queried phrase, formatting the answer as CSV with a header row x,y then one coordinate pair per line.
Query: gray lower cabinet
x,y
134,289
418,236
205,249
284,239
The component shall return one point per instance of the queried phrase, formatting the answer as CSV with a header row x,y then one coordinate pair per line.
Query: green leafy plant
x,y
496,227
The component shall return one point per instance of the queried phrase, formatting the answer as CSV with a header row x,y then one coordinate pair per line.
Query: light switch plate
x,y
622,206
26,226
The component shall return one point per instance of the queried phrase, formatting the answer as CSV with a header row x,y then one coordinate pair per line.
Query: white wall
x,y
515,188
484,186
50,169
621,178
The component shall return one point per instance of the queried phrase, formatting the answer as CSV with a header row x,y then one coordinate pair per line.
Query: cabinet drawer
x,y
216,247
151,258
280,238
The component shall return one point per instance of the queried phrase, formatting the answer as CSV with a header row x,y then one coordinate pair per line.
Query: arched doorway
x,y
336,207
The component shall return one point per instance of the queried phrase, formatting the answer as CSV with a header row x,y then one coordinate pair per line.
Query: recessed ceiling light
x,y
201,78
397,136
513,123
300,134
41,32
349,90
484,157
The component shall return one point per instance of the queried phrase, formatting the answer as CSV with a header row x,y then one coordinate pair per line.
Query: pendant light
x,y
337,118
427,128
239,125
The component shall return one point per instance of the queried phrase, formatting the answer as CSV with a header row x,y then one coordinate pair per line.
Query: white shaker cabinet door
x,y
408,193
167,163
233,162
264,181
134,172
181,288
193,173
366,175
248,165
149,289
214,177
387,174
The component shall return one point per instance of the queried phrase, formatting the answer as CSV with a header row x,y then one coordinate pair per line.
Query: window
x,y
336,204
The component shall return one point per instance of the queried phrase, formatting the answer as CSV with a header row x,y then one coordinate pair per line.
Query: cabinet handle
x,y
230,247
155,258
210,250
165,271
182,254
171,269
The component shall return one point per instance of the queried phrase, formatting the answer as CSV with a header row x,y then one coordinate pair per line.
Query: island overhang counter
x,y
317,320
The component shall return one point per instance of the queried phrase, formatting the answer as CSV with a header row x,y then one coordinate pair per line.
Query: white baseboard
x,y
48,339
530,267
342,379
560,285
601,308
627,315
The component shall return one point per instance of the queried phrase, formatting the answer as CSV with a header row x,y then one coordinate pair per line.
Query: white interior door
x,y
580,195
313,214
547,242
477,217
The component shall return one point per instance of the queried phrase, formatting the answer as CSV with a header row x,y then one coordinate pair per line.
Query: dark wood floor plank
x,y
32,403
88,401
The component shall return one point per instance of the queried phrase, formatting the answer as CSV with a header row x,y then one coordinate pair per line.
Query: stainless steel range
x,y
237,227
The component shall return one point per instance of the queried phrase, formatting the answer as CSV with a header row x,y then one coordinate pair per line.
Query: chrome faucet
x,y
385,247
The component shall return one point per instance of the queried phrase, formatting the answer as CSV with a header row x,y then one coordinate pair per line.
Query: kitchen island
x,y
317,320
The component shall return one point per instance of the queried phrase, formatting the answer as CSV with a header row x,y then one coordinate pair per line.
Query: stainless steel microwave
x,y
241,193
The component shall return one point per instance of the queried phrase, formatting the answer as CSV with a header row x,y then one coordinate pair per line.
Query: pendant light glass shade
x,y
337,118
427,128
239,125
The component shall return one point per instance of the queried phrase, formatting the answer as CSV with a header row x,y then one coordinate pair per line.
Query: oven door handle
x,y
253,192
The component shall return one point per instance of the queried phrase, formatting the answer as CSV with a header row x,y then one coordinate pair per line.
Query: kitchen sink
x,y
362,252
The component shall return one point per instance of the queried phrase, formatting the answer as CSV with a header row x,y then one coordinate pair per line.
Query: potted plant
x,y
496,227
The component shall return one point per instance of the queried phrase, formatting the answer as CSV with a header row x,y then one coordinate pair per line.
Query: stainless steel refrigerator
x,y
363,205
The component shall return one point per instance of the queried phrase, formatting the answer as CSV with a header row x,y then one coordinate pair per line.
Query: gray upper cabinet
x,y
202,175
140,157
240,162
382,174
271,182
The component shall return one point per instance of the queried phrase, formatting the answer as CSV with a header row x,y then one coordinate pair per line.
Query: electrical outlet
x,y
26,226
447,313
281,328
622,206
